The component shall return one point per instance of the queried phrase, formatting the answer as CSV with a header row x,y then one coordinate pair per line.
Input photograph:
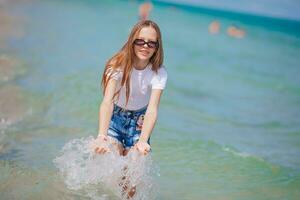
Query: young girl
x,y
133,82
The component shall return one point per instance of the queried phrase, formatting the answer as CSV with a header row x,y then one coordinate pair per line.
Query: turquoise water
x,y
229,120
288,9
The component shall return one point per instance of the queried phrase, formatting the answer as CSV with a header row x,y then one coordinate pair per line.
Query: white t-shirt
x,y
141,84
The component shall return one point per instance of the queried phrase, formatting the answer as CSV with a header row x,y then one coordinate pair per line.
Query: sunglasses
x,y
141,42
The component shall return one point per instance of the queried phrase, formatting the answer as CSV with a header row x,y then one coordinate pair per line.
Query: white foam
x,y
241,154
99,175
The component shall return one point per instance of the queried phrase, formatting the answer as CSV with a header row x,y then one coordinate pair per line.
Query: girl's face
x,y
144,51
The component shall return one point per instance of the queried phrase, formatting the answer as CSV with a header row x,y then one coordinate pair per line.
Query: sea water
x,y
229,119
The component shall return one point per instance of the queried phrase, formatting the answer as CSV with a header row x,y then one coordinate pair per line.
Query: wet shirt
x,y
141,84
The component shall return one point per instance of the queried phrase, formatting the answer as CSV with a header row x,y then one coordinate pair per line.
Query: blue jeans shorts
x,y
126,125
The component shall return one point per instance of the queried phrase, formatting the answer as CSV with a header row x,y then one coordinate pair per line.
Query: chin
x,y
143,57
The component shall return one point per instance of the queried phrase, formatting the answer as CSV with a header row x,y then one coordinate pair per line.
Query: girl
x,y
133,82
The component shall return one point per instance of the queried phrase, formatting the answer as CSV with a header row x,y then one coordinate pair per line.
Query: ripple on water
x,y
20,182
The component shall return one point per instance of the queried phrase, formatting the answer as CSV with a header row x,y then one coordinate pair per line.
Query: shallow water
x,y
228,123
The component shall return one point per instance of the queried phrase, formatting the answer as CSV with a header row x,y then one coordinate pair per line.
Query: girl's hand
x,y
142,147
101,144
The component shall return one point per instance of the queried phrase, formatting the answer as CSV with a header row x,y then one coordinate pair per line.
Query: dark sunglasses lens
x,y
139,42
152,44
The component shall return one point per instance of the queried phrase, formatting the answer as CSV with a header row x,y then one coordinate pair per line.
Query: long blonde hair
x,y
125,58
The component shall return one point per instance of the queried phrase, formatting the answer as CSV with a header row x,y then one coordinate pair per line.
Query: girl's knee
x,y
116,145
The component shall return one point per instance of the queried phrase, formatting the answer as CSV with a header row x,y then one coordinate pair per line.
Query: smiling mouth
x,y
144,52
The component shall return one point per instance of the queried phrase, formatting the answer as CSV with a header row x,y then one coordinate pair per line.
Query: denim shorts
x,y
126,125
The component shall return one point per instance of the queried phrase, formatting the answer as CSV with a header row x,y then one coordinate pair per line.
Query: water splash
x,y
100,175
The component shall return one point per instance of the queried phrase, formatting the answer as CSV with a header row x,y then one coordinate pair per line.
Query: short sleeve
x,y
115,74
159,80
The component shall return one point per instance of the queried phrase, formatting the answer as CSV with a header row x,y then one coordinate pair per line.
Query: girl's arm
x,y
151,115
106,107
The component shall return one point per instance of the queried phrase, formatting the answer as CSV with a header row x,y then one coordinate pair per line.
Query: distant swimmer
x,y
236,32
214,27
144,10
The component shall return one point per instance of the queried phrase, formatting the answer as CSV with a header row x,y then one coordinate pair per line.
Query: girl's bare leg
x,y
127,190
117,146
124,183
